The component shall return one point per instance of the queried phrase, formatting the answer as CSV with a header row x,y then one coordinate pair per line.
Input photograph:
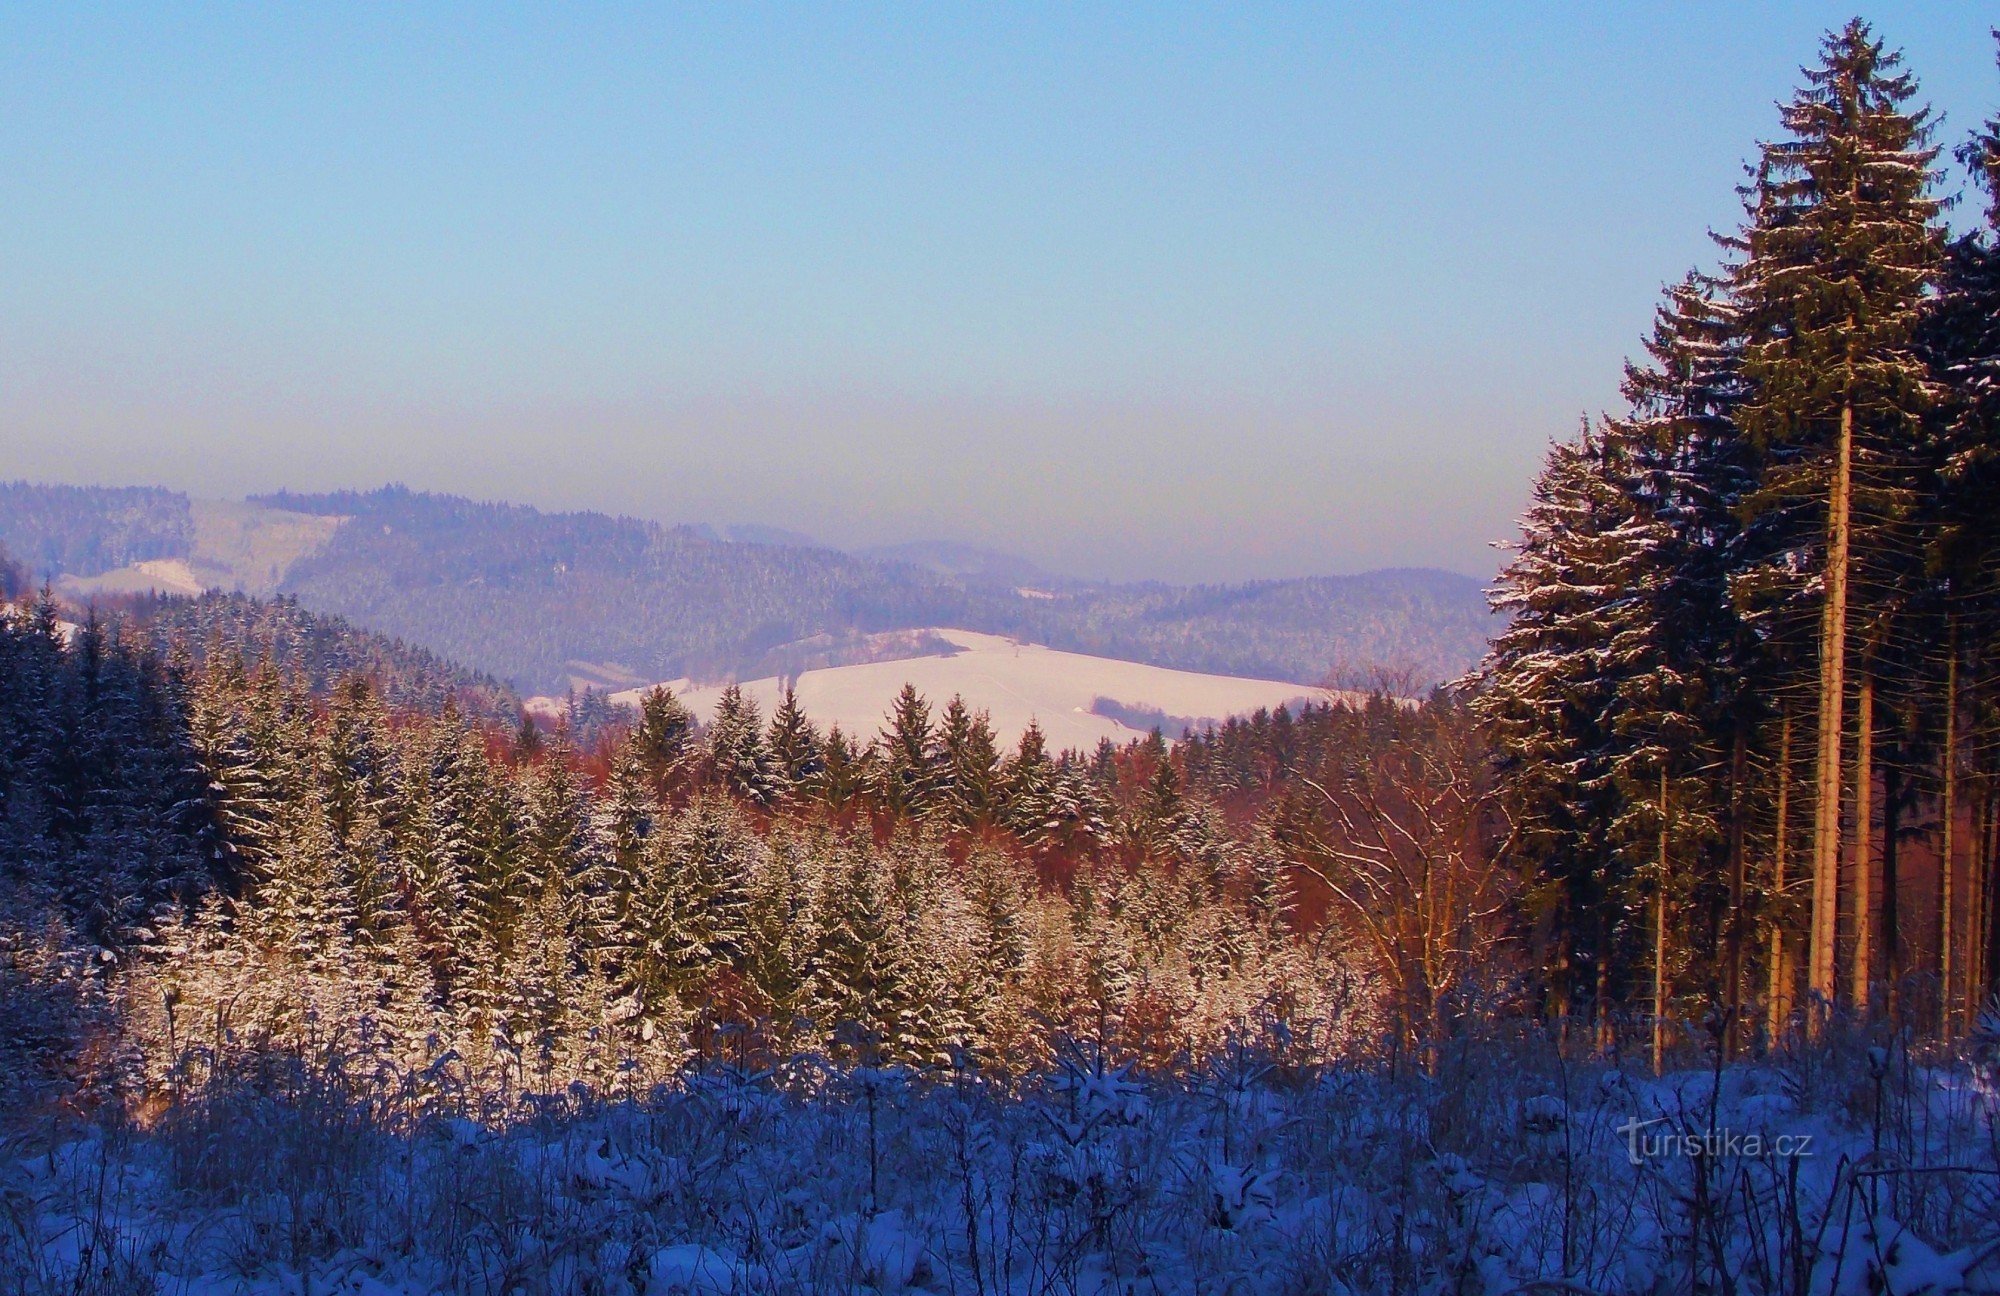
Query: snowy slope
x,y
237,546
1077,698
154,576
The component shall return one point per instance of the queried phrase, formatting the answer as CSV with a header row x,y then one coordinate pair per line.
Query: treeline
x,y
266,870
1745,710
318,649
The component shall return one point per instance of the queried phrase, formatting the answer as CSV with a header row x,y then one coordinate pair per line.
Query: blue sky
x,y
1197,293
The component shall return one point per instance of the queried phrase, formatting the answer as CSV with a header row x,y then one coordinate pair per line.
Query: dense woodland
x,y
264,860
318,649
1744,715
55,529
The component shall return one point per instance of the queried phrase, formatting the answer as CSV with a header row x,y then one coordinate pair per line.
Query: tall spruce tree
x,y
1961,341
906,781
1684,699
740,755
796,744
968,768
1547,701
1842,249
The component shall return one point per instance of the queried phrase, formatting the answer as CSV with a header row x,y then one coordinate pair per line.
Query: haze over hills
x,y
551,601
969,563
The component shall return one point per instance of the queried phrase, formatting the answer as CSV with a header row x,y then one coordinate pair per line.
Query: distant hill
x,y
103,540
550,601
756,533
974,565
1077,699
52,530
320,650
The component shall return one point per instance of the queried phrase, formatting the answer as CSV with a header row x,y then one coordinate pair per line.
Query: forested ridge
x,y
319,650
538,598
57,529
524,593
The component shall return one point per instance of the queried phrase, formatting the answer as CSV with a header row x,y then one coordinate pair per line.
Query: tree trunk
x,y
1947,925
1864,846
1660,935
1832,700
1733,991
1778,1006
1892,912
1602,1007
1989,849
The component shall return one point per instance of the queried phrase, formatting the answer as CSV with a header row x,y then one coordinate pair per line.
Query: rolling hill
x,y
1077,699
551,601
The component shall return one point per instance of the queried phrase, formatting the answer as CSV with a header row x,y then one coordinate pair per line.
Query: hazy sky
x,y
1136,290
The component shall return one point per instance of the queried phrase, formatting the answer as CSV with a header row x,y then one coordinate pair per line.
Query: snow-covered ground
x,y
1077,698
237,546
1505,1171
154,576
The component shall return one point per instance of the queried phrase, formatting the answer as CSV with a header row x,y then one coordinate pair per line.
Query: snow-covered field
x,y
1506,1170
237,546
154,576
1077,698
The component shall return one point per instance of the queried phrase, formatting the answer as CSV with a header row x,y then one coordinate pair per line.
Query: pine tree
x,y
1028,782
968,775
688,918
844,778
625,819
560,863
998,895
739,756
665,732
1546,702
434,847
796,745
1082,818
1160,817
1684,694
361,800
863,979
1842,248
783,932
907,780
498,890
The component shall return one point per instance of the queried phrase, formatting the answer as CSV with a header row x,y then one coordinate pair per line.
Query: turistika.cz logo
x,y
1641,1146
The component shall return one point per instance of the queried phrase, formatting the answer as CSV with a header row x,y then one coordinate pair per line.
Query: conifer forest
x,y
1657,954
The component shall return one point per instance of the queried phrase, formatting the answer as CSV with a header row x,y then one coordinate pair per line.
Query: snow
x,y
158,575
1506,1172
1014,682
237,546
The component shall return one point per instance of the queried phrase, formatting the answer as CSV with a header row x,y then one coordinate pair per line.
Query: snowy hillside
x,y
234,546
1077,699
